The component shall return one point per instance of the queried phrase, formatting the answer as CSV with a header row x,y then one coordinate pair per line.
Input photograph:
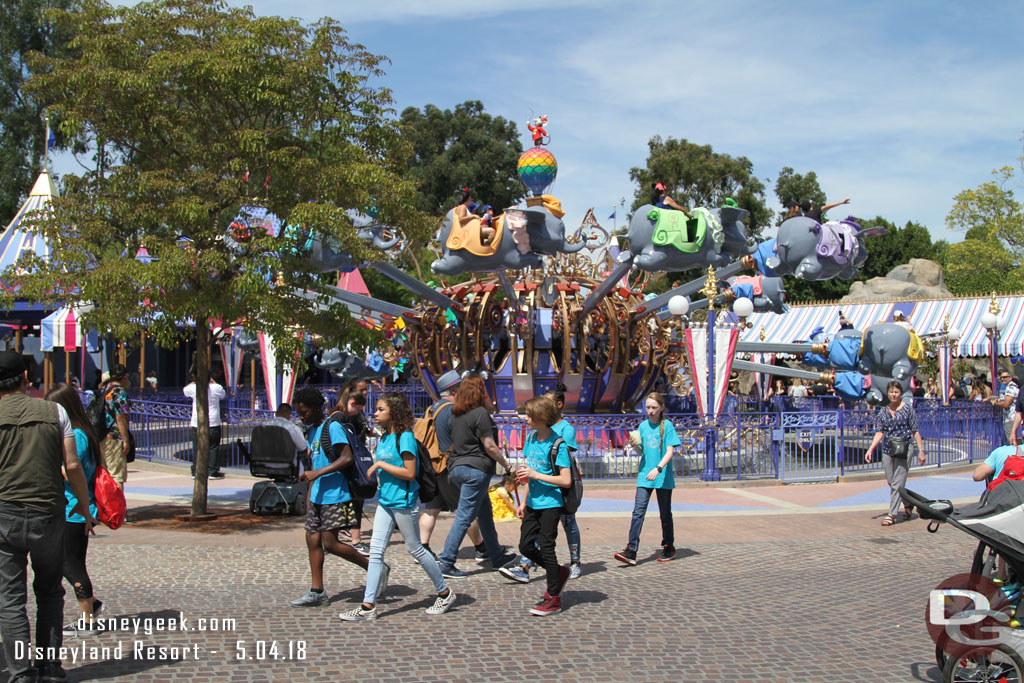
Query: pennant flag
x,y
51,139
945,364
612,217
280,385
697,354
764,379
232,356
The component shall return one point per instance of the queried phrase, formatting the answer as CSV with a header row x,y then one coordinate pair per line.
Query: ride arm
x,y
645,308
776,370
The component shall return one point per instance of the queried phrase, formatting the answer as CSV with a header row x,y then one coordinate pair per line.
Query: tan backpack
x,y
426,434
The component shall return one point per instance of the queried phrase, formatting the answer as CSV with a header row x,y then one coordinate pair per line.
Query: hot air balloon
x,y
537,169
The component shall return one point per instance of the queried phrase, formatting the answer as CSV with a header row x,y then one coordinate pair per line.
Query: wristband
x,y
659,468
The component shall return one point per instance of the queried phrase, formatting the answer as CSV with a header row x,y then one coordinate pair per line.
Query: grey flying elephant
x,y
521,237
814,251
887,352
665,239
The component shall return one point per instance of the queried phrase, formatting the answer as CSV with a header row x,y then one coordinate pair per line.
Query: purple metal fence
x,y
812,444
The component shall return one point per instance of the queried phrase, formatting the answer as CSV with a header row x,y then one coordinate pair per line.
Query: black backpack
x,y
97,414
361,486
425,475
572,495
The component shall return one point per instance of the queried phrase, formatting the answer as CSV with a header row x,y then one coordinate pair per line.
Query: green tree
x,y
977,266
696,175
793,188
200,104
991,212
22,131
462,148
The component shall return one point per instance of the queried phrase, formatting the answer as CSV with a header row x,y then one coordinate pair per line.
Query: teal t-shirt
x,y
997,459
332,488
88,460
394,492
567,432
654,450
542,495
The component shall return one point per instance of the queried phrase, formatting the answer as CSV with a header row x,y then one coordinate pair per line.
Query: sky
x,y
897,105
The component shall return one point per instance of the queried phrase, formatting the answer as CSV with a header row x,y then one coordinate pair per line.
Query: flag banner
x,y
945,365
280,385
697,355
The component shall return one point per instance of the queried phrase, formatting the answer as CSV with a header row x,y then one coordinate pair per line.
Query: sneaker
x,y
563,577
344,535
505,560
667,553
442,605
481,555
363,548
516,573
449,571
311,599
97,608
359,614
52,672
626,556
382,588
575,569
549,604
217,475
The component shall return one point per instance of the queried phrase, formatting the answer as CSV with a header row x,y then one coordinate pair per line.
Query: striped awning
x,y
927,317
16,240
62,329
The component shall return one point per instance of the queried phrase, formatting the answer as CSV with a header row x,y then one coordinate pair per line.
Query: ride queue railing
x,y
811,444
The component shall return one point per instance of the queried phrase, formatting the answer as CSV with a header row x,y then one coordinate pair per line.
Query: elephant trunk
x,y
572,248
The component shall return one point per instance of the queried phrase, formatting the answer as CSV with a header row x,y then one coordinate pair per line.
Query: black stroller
x,y
997,571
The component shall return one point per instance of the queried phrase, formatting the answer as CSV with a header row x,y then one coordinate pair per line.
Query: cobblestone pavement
x,y
846,608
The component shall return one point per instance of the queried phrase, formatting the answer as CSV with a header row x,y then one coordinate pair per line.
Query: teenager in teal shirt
x,y
562,428
328,493
659,439
397,505
541,511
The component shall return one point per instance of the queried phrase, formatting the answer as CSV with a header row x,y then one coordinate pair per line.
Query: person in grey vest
x,y
36,439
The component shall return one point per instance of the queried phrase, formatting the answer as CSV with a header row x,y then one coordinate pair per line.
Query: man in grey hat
x,y
36,439
447,497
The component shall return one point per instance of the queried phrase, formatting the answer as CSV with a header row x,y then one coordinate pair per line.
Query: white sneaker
x,y
359,614
575,570
442,605
311,599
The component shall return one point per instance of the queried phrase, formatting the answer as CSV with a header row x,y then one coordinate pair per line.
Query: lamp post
x,y
994,323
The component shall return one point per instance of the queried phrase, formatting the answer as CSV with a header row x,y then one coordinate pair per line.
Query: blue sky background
x,y
898,105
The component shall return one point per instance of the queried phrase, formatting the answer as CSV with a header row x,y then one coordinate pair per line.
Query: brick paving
x,y
773,595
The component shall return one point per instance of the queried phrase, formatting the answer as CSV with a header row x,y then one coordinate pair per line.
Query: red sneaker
x,y
549,604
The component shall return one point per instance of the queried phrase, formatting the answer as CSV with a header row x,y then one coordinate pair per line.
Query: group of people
x,y
467,438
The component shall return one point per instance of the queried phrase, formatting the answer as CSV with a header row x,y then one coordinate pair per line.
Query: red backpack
x,y
1013,469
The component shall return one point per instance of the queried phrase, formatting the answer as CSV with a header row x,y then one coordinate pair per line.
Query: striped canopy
x,y
927,317
62,329
16,240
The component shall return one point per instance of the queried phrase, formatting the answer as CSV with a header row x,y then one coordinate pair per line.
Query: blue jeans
x,y
474,503
24,534
572,535
643,499
408,522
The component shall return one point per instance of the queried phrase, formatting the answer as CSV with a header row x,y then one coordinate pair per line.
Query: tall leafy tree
x,y
696,175
980,266
23,29
202,106
463,147
992,212
793,188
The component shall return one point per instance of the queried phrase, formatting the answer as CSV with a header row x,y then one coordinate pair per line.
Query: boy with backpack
x,y
541,510
328,492
1005,462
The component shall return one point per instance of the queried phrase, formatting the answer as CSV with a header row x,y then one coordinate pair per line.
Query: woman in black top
x,y
895,424
471,465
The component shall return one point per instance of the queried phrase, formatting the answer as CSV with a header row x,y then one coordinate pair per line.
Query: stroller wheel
x,y
940,657
1002,665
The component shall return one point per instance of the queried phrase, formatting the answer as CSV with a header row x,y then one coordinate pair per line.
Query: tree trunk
x,y
202,370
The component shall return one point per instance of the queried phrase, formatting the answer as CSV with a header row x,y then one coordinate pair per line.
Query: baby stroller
x,y
997,521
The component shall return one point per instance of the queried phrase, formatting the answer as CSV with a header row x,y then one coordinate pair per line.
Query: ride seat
x,y
465,234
